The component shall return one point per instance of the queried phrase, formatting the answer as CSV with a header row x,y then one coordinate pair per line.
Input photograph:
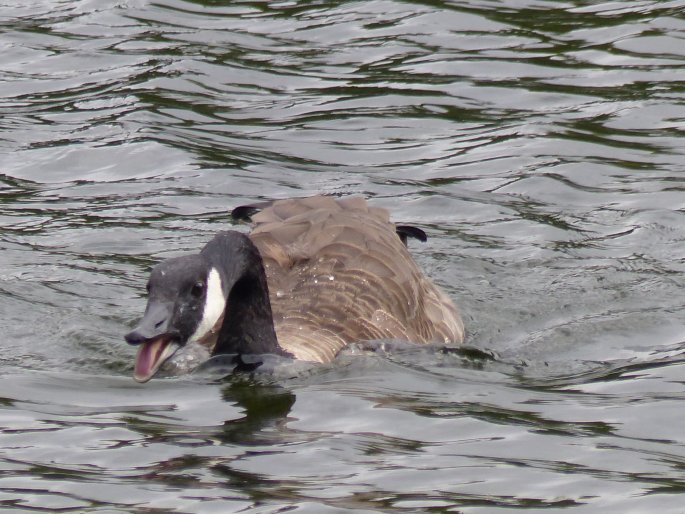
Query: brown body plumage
x,y
338,272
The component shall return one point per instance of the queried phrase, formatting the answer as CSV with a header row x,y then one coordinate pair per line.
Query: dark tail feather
x,y
245,212
407,231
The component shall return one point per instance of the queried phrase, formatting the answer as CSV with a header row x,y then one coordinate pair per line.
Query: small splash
x,y
186,360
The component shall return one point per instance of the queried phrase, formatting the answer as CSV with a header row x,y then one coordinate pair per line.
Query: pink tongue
x,y
147,357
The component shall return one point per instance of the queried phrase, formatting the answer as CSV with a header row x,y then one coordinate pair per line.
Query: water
x,y
540,145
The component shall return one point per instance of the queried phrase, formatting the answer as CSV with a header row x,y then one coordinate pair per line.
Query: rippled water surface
x,y
538,143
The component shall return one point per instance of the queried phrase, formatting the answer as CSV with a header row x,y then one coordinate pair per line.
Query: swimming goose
x,y
313,275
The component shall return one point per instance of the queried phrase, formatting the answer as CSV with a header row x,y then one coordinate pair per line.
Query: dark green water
x,y
539,144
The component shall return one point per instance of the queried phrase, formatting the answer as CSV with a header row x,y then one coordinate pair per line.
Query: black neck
x,y
248,326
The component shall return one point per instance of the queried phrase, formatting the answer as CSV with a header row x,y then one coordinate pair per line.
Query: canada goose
x,y
313,275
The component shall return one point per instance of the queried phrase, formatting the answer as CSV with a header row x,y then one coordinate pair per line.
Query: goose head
x,y
218,297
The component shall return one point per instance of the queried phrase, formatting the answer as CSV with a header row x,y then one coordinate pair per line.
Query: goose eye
x,y
197,289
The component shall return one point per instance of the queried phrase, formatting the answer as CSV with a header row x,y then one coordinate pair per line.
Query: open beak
x,y
151,355
156,344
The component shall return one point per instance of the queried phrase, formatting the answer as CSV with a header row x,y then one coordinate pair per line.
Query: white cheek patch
x,y
215,303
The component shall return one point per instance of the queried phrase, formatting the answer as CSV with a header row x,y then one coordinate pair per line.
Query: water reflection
x,y
265,407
